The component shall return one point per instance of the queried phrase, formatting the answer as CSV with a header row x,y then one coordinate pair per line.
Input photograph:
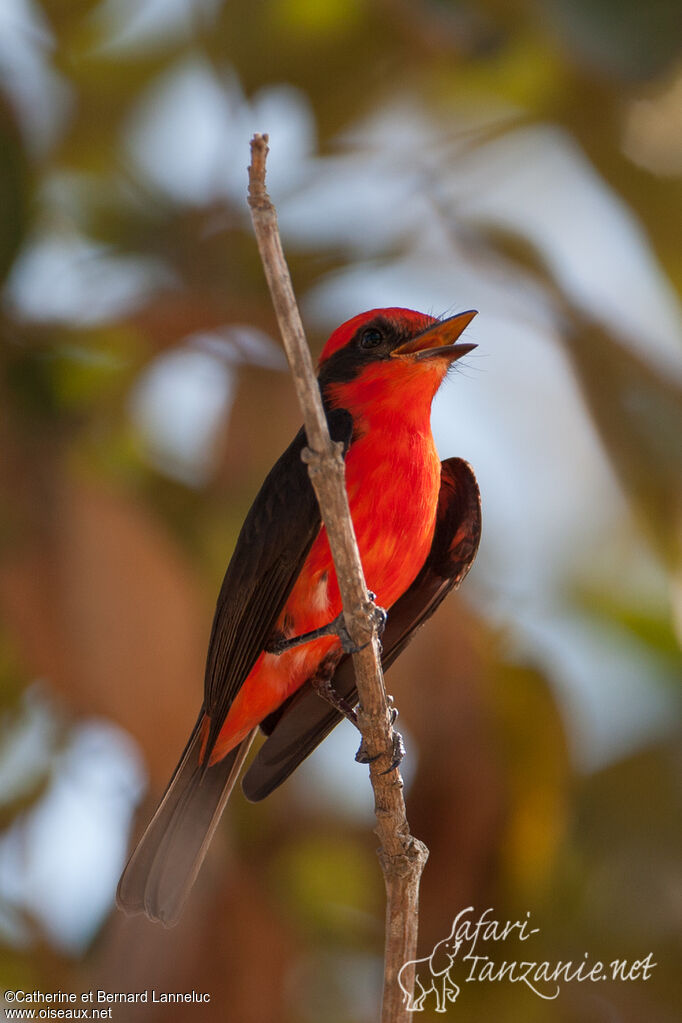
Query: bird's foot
x,y
378,617
337,627
378,614
398,753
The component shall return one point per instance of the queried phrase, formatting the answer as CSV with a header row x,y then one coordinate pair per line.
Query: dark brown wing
x,y
305,719
273,544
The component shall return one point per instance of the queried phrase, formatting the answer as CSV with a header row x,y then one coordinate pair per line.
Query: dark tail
x,y
160,873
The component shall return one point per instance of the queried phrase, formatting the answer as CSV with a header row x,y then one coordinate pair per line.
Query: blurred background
x,y
520,158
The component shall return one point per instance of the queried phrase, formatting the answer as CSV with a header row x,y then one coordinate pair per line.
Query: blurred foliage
x,y
14,188
635,408
109,564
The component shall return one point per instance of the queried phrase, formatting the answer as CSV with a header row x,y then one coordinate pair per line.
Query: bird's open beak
x,y
439,340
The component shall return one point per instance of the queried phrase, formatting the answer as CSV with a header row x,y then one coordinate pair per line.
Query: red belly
x,y
394,536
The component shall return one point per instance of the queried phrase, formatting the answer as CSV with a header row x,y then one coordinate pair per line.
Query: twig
x,y
402,857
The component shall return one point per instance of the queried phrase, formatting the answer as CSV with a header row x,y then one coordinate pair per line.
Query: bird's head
x,y
390,359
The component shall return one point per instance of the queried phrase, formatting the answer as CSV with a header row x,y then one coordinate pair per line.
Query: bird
x,y
417,521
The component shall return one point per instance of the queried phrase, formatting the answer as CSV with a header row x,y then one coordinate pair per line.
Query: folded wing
x,y
272,546
305,719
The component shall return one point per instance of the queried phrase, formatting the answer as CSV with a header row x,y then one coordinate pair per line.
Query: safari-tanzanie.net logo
x,y
485,950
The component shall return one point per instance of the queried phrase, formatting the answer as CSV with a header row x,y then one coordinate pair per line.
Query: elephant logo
x,y
432,976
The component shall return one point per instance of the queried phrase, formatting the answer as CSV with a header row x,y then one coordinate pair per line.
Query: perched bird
x,y
417,523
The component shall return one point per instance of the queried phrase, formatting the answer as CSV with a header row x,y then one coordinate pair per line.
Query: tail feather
x,y
164,866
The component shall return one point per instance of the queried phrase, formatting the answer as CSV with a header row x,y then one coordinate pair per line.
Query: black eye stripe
x,y
346,363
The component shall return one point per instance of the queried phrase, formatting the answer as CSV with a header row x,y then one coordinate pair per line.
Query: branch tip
x,y
259,154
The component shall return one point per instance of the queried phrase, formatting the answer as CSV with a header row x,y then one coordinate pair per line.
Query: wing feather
x,y
273,544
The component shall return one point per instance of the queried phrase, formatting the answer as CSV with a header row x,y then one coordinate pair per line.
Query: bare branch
x,y
402,857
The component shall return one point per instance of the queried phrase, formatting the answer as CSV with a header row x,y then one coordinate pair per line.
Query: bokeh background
x,y
522,158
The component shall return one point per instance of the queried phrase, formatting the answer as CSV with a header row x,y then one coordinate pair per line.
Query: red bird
x,y
417,522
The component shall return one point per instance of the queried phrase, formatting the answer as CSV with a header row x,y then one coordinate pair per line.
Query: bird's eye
x,y
371,338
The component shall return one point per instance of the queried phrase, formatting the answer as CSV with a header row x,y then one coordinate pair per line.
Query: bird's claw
x,y
378,614
378,618
398,753
362,756
347,644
